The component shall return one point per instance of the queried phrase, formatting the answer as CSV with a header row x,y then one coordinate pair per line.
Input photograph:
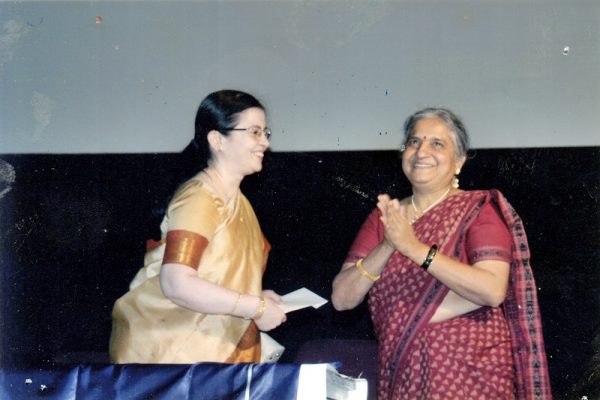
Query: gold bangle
x,y
261,309
237,301
364,272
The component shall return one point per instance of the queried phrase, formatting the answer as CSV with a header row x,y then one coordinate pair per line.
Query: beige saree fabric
x,y
150,328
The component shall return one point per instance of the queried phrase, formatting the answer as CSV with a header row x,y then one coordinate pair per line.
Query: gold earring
x,y
455,179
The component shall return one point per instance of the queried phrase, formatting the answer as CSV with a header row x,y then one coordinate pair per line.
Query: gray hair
x,y
452,122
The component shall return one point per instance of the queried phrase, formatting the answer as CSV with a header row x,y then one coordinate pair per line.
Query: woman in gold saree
x,y
451,292
199,295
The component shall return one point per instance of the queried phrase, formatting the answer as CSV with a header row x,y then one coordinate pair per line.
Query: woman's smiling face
x,y
242,151
429,158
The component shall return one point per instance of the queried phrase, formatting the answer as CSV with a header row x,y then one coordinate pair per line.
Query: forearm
x,y
183,287
484,283
350,286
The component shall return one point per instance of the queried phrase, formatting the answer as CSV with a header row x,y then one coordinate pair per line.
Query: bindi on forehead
x,y
424,137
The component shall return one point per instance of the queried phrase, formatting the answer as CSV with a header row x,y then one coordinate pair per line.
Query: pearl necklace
x,y
419,214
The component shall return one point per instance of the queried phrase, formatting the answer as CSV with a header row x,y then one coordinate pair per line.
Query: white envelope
x,y
301,298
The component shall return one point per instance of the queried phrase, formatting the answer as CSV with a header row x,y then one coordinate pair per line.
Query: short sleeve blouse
x,y
488,237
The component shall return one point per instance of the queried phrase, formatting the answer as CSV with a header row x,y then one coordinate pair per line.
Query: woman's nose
x,y
264,141
422,148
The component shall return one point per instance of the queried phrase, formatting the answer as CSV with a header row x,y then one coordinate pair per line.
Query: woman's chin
x,y
254,169
420,182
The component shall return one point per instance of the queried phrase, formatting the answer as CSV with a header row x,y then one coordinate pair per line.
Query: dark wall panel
x,y
73,229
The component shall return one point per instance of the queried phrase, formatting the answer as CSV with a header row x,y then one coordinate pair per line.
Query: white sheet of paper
x,y
301,298
320,381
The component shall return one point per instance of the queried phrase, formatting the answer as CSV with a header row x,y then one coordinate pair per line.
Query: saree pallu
x,y
149,328
488,353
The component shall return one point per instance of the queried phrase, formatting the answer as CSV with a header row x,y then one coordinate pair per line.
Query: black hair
x,y
218,111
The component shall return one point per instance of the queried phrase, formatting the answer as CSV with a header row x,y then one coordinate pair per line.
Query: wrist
x,y
388,246
418,253
260,311
430,256
236,304
361,269
246,306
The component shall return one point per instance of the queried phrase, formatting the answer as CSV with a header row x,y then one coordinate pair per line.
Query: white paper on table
x,y
301,298
323,381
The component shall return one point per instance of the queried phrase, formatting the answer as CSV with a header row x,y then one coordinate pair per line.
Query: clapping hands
x,y
398,230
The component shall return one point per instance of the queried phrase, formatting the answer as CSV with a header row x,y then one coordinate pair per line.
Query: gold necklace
x,y
419,214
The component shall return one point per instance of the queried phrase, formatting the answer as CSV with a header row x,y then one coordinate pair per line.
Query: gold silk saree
x,y
150,328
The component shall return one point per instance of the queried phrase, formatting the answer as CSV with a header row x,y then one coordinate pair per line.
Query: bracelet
x,y
429,258
364,272
261,309
237,301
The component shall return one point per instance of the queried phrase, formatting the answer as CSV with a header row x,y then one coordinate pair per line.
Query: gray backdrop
x,y
127,77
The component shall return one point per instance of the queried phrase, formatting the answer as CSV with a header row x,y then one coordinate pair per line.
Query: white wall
x,y
334,75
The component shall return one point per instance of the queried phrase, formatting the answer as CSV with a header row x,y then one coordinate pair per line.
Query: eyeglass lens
x,y
255,131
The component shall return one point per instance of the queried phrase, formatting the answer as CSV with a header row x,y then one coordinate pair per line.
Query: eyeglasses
x,y
255,131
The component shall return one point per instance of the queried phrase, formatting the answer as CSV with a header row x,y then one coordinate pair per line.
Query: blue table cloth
x,y
204,381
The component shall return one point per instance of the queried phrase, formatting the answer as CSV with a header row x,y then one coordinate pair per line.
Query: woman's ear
x,y
460,162
214,140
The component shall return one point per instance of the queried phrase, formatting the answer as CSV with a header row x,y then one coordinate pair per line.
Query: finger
x,y
384,197
403,209
393,209
276,298
382,203
383,209
271,295
274,294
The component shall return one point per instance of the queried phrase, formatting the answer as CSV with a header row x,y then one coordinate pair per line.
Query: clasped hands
x,y
399,233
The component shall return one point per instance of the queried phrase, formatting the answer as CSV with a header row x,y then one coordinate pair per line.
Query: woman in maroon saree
x,y
451,291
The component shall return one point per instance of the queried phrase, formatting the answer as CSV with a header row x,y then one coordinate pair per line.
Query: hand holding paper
x,y
301,298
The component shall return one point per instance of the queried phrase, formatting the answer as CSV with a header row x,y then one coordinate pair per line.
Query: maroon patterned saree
x,y
488,353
